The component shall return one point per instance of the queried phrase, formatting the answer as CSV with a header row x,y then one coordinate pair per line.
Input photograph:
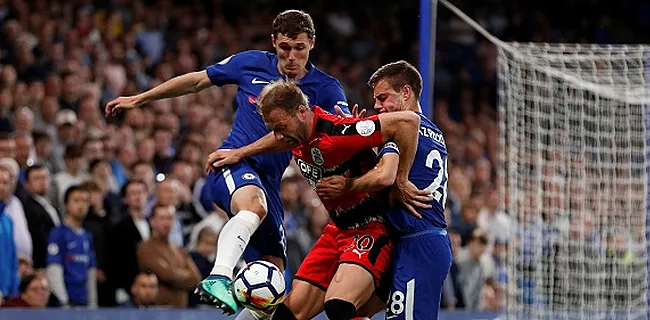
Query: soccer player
x,y
71,259
422,255
249,191
341,271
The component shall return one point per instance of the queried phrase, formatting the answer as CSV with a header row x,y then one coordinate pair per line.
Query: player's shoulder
x,y
324,79
335,125
248,58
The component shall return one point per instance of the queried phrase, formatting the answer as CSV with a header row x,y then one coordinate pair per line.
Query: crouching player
x,y
341,271
422,255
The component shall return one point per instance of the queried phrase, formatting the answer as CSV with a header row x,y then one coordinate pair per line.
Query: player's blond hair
x,y
281,94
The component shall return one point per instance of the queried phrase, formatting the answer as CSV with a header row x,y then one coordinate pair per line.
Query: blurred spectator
x,y
164,153
8,257
125,159
134,228
215,220
171,264
169,192
25,267
41,215
74,174
467,222
452,291
144,171
93,149
497,224
66,134
7,145
204,252
144,291
203,256
474,267
23,121
25,152
99,225
100,172
15,210
71,259
44,119
34,292
43,150
490,296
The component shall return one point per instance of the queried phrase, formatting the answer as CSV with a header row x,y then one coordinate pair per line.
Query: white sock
x,y
248,314
233,239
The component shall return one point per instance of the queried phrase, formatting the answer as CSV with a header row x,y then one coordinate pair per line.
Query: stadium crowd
x,y
61,61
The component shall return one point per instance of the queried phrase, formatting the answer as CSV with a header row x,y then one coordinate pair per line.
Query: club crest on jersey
x,y
248,176
317,156
53,249
365,128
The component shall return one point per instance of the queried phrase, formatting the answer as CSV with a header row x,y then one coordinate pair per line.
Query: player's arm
x,y
181,85
266,144
380,177
225,72
403,128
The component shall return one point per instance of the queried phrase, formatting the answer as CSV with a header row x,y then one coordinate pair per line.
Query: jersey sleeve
x,y
333,95
388,147
355,134
227,71
55,247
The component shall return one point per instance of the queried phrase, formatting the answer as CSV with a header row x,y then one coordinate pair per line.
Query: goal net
x,y
572,174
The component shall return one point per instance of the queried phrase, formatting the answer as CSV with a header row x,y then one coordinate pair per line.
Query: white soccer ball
x,y
259,285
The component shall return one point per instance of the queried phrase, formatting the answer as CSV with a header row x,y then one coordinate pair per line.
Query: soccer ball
x,y
259,285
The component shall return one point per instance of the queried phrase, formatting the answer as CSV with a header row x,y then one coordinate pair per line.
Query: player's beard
x,y
302,133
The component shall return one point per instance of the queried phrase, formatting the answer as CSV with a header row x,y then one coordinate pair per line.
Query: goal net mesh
x,y
572,174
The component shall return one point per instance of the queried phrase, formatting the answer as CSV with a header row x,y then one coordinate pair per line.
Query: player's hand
x,y
122,103
332,187
222,157
355,112
410,196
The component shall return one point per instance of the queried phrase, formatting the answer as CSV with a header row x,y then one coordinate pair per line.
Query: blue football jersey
x,y
251,71
429,171
74,251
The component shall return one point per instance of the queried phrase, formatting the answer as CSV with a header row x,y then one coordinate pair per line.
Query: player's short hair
x,y
73,189
398,74
285,95
291,23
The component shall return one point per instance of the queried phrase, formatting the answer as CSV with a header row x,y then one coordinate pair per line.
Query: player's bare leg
x,y
249,203
304,302
350,288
